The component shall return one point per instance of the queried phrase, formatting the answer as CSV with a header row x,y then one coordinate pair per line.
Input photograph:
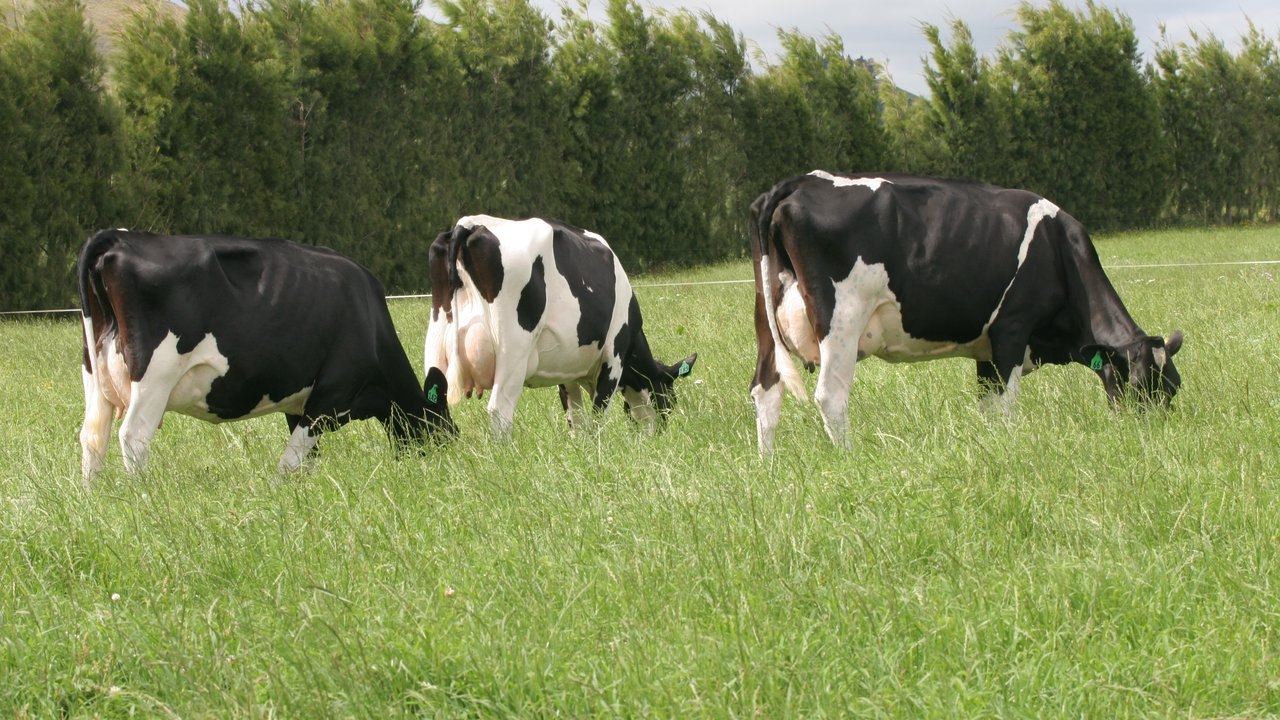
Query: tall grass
x,y
1066,561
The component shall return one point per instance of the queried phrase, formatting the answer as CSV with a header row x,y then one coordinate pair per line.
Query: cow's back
x,y
278,313
561,285
950,248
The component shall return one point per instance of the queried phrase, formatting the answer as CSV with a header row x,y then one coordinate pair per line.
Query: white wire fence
x,y
697,283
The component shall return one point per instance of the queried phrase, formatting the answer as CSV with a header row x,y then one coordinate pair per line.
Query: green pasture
x,y
1066,561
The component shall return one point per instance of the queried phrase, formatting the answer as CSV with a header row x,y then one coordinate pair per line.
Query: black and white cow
x,y
533,303
912,268
226,328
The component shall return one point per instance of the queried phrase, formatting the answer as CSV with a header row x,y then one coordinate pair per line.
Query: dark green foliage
x,y
818,108
715,158
1221,114
364,145
962,117
206,102
626,81
59,147
365,126
1084,127
1064,111
502,120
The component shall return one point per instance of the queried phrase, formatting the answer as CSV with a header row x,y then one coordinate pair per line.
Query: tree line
x,y
365,126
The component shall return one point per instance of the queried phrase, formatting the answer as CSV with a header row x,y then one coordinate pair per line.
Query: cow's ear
x,y
436,387
1098,356
1173,343
685,368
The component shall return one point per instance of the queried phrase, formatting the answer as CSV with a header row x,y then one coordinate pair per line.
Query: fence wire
x,y
1150,266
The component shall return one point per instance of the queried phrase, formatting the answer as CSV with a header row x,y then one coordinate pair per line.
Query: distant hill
x,y
108,17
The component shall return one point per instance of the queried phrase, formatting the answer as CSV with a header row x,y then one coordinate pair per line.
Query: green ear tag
x,y
684,369
433,395
1096,362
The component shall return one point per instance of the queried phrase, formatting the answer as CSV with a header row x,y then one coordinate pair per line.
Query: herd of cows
x,y
901,267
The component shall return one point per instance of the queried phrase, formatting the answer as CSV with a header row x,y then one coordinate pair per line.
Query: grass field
x,y
1067,561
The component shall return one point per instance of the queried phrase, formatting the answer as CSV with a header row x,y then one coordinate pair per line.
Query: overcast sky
x,y
889,31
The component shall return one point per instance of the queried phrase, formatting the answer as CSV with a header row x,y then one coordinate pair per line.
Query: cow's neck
x,y
640,371
1102,315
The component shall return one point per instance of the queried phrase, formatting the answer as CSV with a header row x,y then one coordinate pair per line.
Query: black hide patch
x,y
286,317
482,257
950,249
587,265
533,298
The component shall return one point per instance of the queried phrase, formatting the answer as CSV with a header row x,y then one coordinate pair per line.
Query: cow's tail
x,y
457,241
765,238
453,346
95,308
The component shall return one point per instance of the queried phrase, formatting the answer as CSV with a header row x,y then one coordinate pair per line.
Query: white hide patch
x,y
186,378
641,402
866,309
485,348
596,236
1035,215
471,221
188,375
553,354
781,356
109,369
871,183
292,404
793,320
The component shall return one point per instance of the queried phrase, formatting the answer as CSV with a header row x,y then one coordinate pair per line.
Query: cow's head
x,y
414,423
435,390
664,390
658,390
1142,369
432,423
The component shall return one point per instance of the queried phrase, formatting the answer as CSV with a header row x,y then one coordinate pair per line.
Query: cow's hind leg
x,y
141,420
507,384
835,378
96,430
838,354
768,403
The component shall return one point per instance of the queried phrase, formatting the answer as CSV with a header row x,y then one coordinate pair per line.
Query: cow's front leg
x,y
302,441
640,405
502,409
1001,378
306,431
988,381
300,446
574,411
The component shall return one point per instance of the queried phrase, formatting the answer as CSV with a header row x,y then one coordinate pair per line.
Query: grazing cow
x,y
226,328
911,268
534,303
